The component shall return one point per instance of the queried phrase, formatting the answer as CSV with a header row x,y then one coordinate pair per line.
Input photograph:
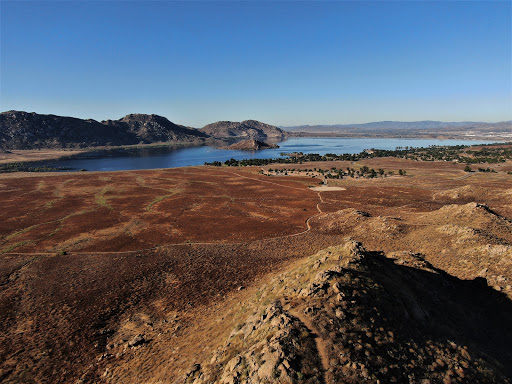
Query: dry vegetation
x,y
136,210
136,276
23,155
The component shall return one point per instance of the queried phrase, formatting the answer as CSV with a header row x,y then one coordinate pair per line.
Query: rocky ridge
x,y
466,240
353,316
24,130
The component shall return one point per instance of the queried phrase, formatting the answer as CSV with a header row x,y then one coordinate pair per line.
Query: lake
x,y
171,157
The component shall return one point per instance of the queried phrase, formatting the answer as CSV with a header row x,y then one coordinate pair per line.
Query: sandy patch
x,y
326,188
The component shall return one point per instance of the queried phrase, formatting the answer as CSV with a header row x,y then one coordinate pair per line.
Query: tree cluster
x,y
337,173
458,153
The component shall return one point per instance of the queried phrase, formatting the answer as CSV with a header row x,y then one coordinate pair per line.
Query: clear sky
x,y
281,62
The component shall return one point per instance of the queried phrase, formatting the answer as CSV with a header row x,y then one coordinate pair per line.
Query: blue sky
x,y
281,62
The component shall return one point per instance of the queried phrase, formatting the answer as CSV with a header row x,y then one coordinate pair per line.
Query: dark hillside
x,y
24,130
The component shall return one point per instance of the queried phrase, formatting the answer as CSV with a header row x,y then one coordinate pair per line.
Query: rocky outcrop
x,y
466,240
280,347
350,315
250,145
248,128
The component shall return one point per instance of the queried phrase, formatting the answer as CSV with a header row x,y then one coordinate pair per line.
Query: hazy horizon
x,y
284,63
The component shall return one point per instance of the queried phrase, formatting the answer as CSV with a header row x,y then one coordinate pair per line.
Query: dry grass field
x,y
19,155
134,276
126,211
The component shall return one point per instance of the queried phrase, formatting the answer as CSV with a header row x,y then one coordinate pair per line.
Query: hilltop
x,y
347,315
248,128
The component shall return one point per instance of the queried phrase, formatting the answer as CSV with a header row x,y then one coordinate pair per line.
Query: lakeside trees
x,y
490,154
333,172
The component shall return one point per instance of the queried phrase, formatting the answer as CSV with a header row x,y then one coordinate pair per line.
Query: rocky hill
x,y
154,128
248,128
24,130
250,145
348,315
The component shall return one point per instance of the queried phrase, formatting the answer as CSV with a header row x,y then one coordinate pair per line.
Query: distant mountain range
x,y
399,125
501,131
25,130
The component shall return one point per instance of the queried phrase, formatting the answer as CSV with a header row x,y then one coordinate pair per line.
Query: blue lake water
x,y
171,157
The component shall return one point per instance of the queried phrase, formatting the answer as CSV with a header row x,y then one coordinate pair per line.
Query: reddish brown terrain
x,y
126,211
129,277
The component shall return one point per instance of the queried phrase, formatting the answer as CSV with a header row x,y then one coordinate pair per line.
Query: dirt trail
x,y
321,346
463,177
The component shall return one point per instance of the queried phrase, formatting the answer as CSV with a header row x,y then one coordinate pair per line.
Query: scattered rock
x,y
137,341
194,369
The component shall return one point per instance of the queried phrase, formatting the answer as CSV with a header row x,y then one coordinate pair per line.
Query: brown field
x,y
19,155
127,211
163,253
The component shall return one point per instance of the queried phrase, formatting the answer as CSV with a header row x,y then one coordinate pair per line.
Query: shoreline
x,y
26,156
